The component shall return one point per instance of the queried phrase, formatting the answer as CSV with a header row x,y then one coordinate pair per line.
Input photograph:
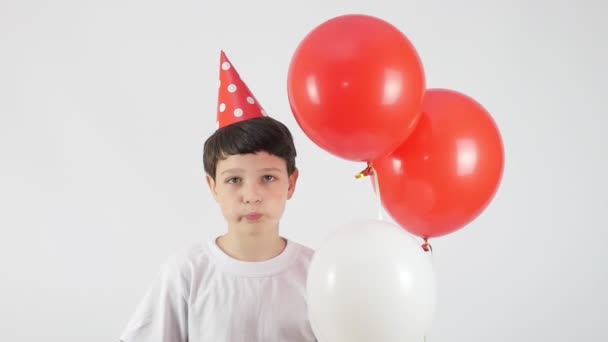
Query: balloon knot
x,y
426,246
367,172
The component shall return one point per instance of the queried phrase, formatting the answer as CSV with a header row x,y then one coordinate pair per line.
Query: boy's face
x,y
251,190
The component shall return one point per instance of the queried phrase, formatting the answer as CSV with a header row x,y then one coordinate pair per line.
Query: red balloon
x,y
355,86
446,173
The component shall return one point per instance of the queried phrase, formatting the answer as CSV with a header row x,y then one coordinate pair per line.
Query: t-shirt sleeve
x,y
162,314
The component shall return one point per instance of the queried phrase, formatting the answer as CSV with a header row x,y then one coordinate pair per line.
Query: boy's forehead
x,y
252,162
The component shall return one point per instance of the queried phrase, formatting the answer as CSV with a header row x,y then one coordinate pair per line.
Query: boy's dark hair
x,y
250,136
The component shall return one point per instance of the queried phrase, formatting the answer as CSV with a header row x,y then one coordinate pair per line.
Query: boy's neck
x,y
251,248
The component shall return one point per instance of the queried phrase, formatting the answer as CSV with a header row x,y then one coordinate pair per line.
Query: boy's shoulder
x,y
303,249
303,254
189,253
184,259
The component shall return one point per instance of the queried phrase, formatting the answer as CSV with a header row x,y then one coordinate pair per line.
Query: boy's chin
x,y
256,227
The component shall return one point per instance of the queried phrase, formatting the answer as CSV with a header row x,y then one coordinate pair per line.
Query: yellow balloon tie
x,y
367,172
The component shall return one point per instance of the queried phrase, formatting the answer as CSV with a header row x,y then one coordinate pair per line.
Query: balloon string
x,y
369,171
378,198
426,246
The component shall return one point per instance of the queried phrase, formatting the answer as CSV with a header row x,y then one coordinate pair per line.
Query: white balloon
x,y
371,281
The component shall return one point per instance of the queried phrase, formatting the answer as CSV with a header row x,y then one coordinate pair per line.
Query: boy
x,y
249,284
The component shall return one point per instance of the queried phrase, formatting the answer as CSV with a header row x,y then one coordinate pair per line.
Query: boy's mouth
x,y
253,216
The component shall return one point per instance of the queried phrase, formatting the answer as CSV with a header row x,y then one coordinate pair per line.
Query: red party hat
x,y
235,101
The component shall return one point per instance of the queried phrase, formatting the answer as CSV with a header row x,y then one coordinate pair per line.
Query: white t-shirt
x,y
204,295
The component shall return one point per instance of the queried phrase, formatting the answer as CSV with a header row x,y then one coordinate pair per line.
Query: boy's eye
x,y
269,178
233,180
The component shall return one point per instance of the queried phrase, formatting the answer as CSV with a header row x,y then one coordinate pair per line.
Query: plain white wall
x,y
104,106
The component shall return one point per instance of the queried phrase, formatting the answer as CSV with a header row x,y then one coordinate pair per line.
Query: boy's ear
x,y
292,183
211,184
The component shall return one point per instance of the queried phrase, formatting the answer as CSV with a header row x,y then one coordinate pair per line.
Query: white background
x,y
104,107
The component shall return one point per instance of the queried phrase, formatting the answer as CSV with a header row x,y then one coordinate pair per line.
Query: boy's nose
x,y
253,199
251,195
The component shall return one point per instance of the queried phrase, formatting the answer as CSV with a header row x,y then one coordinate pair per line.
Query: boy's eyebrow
x,y
232,170
237,170
266,169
